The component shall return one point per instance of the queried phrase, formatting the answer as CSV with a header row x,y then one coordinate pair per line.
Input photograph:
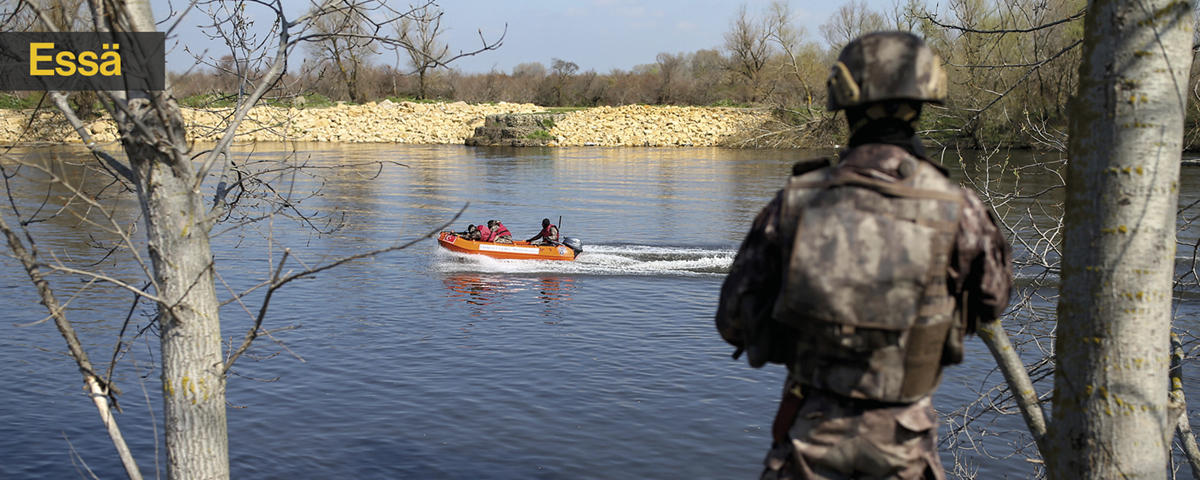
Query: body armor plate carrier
x,y
866,286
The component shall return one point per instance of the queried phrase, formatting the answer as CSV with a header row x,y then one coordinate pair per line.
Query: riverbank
x,y
427,123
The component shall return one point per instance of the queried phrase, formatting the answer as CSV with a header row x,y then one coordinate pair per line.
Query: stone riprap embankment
x,y
644,126
428,123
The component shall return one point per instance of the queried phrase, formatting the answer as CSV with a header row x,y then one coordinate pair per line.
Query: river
x,y
424,364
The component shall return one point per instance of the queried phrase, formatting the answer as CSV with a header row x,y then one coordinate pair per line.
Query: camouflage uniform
x,y
838,438
472,233
858,399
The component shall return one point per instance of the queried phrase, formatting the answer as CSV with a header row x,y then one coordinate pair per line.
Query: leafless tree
x,y
420,34
707,69
560,76
348,40
804,60
1112,414
670,71
749,49
159,168
851,20
1103,372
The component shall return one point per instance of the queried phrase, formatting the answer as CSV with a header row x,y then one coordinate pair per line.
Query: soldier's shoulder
x,y
811,173
929,175
810,165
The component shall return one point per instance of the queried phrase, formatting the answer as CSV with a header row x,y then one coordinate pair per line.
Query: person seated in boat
x,y
500,233
472,233
485,233
548,235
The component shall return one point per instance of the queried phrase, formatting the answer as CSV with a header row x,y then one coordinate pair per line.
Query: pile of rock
x,y
384,122
645,126
437,123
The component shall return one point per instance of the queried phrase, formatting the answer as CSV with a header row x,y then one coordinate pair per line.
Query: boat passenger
x,y
548,235
472,233
500,233
485,233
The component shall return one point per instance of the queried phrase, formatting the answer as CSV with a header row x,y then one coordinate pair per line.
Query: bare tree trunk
x,y
349,76
1111,417
177,240
177,228
421,84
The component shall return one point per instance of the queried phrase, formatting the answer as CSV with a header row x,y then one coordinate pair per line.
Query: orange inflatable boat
x,y
518,250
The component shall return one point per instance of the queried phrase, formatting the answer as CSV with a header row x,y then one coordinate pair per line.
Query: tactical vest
x,y
550,233
866,285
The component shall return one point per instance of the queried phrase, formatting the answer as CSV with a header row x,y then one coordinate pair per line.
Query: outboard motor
x,y
574,244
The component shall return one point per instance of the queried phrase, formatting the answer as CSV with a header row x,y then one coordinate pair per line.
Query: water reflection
x,y
484,294
553,290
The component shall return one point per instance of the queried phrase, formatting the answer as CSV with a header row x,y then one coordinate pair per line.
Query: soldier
x,y
472,233
548,235
862,278
500,233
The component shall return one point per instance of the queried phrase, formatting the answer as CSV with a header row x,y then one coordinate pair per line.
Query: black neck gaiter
x,y
892,131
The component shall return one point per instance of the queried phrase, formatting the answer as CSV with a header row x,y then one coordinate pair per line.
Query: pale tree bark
x,y
1111,415
192,371
177,227
98,390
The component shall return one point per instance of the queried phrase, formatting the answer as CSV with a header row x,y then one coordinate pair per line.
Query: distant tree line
x,y
1012,66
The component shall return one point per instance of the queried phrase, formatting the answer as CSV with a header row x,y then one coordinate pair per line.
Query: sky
x,y
597,35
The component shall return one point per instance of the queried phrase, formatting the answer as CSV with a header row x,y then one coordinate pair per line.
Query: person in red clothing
x,y
548,235
500,233
485,233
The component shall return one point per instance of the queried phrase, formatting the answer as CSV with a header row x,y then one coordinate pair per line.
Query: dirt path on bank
x,y
427,123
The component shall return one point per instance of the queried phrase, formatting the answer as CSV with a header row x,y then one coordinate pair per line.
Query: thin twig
x,y
96,386
277,282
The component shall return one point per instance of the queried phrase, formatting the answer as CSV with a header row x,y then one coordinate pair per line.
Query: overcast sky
x,y
598,35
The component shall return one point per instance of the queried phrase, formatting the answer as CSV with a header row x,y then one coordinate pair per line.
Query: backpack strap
x,y
804,166
893,189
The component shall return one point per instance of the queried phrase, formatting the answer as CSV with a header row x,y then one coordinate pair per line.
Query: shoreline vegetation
x,y
434,123
437,123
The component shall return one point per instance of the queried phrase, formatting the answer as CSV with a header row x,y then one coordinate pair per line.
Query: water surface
x,y
426,364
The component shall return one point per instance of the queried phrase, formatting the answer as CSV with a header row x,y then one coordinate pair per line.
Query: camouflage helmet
x,y
886,66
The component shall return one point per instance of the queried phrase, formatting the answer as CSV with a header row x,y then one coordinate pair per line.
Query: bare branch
x,y
934,20
994,336
277,282
1182,426
99,392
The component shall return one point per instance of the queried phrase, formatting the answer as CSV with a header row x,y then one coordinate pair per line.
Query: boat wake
x,y
602,260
